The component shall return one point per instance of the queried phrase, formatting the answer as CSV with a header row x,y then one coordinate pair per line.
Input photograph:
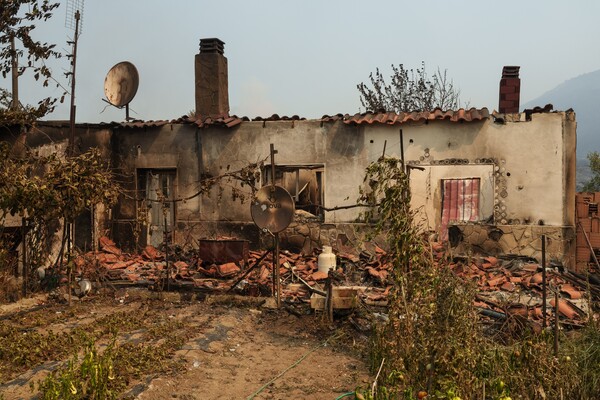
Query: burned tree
x,y
409,90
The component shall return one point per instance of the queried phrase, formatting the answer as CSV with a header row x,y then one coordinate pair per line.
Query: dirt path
x,y
234,352
242,352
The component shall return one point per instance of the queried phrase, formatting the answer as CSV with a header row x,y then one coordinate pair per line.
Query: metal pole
x,y
276,267
544,288
556,323
402,150
273,290
15,74
297,196
273,152
329,298
166,240
71,150
71,147
24,255
69,265
276,277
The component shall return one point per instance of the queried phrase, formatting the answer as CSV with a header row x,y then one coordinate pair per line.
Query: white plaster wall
x,y
427,190
338,147
170,147
532,160
59,148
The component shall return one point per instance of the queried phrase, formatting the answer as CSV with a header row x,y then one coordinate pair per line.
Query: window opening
x,y
157,189
303,182
592,209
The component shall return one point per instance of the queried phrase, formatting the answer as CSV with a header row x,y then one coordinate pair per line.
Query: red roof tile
x,y
391,118
201,122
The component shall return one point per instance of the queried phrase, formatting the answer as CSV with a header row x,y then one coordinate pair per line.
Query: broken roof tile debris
x,y
507,285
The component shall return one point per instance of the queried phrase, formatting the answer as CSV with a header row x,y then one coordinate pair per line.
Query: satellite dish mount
x,y
272,211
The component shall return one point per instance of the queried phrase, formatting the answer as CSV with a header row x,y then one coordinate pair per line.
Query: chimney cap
x,y
212,45
510,71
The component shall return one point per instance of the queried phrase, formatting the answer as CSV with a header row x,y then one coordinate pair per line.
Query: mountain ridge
x,y
580,93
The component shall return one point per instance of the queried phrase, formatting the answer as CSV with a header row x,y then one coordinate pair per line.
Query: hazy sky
x,y
306,57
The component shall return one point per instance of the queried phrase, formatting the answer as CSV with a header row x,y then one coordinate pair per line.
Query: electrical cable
x,y
298,361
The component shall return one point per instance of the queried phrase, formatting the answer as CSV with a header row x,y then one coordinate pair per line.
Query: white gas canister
x,y
326,260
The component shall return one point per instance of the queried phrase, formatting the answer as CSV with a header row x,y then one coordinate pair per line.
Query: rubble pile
x,y
299,273
511,286
507,286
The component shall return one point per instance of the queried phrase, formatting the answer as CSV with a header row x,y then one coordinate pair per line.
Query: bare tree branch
x,y
409,90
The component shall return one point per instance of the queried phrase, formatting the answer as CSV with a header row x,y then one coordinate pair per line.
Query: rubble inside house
x,y
511,286
508,286
187,271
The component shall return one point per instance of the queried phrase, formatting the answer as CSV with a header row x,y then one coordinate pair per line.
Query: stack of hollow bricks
x,y
510,91
588,221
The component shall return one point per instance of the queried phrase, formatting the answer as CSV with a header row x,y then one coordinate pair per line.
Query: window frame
x,y
298,188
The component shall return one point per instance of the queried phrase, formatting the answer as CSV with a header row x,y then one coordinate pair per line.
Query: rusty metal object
x,y
223,250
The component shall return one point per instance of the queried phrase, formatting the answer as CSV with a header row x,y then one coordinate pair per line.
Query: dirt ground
x,y
235,351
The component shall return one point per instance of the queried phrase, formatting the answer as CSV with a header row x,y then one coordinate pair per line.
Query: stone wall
x,y
307,233
524,240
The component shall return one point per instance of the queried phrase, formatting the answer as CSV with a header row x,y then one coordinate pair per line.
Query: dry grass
x,y
434,343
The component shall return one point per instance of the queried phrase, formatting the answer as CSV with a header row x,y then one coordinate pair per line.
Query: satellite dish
x,y
121,84
273,208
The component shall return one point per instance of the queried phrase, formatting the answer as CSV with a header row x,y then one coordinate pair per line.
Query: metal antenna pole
x,y
276,277
71,150
15,74
71,143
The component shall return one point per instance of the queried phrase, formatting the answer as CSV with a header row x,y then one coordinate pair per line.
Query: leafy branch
x,y
18,19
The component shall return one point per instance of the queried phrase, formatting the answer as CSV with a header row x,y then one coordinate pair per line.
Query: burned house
x,y
491,182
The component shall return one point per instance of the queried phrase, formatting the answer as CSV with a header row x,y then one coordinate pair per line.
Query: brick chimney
x,y
212,98
510,90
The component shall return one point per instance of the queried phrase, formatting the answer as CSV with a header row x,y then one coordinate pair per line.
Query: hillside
x,y
581,94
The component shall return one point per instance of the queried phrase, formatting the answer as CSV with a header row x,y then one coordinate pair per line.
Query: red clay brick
x,y
507,89
512,96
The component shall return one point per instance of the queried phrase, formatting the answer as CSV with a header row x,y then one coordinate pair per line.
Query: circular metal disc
x,y
121,84
273,208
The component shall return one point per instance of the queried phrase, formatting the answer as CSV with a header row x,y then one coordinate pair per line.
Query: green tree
x,y
409,90
18,19
593,185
